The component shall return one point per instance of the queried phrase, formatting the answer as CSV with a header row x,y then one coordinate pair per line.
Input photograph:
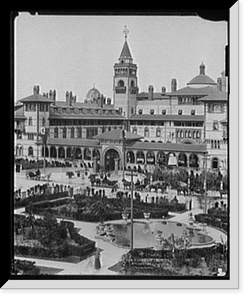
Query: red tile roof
x,y
36,98
117,134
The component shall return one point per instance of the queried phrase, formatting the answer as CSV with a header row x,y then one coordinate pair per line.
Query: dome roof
x,y
202,78
93,94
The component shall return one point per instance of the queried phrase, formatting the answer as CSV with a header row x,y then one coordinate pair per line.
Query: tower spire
x,y
125,32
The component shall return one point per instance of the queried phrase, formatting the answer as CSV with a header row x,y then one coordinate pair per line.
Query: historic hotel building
x,y
180,127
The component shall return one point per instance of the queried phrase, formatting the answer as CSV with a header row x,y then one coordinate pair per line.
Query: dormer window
x,y
192,112
151,111
164,111
140,111
180,112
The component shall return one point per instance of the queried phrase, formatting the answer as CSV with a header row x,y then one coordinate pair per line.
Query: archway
x,y
46,152
96,154
161,158
140,157
130,157
182,160
109,160
87,154
61,152
78,153
53,152
69,153
171,159
150,158
193,161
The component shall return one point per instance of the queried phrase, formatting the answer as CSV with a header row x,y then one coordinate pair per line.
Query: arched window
x,y
164,111
146,132
140,158
132,83
215,163
30,151
30,121
140,111
130,157
151,111
120,83
79,132
150,158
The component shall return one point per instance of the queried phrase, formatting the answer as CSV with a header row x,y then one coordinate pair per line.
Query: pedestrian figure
x,y
97,259
190,204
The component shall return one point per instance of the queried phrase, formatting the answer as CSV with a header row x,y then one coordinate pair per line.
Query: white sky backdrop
x,y
71,53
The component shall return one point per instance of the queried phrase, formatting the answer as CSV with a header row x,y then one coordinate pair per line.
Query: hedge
x,y
40,198
214,221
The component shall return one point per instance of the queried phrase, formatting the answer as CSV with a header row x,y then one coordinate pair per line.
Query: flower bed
x,y
53,240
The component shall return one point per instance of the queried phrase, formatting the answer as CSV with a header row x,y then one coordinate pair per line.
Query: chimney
x,y
151,93
70,98
163,90
173,85
223,82
67,98
50,94
219,84
36,90
54,95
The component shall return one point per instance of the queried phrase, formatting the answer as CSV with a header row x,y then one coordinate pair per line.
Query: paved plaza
x,y
110,253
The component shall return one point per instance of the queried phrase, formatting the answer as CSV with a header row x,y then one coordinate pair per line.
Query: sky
x,y
75,53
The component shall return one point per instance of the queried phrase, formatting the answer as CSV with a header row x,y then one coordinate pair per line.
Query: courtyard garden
x,y
47,238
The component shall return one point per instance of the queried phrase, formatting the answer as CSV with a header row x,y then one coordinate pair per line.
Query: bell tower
x,y
125,81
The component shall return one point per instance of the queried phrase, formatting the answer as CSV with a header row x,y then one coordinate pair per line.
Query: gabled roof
x,y
125,51
215,96
203,91
117,134
36,98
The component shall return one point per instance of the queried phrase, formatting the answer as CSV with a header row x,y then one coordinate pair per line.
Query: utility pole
x,y
131,214
205,184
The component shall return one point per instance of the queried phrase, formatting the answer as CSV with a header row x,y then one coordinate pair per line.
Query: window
x,y
146,132
30,121
30,151
151,111
120,83
192,112
43,121
158,132
31,136
163,111
132,83
134,130
215,125
72,132
180,112
132,110
215,163
79,132
140,111
56,132
64,133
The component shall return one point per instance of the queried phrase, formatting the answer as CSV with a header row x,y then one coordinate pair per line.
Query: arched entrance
x,y
109,160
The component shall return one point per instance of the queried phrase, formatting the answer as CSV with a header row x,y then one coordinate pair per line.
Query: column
x,y
116,165
94,165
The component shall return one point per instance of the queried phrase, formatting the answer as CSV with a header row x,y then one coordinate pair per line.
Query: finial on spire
x,y
126,32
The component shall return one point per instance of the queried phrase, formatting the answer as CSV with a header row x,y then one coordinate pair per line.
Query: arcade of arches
x,y
111,160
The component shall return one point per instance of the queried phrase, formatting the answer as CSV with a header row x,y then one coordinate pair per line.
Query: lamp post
x,y
44,132
131,214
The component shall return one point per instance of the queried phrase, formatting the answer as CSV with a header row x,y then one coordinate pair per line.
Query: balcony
x,y
120,89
